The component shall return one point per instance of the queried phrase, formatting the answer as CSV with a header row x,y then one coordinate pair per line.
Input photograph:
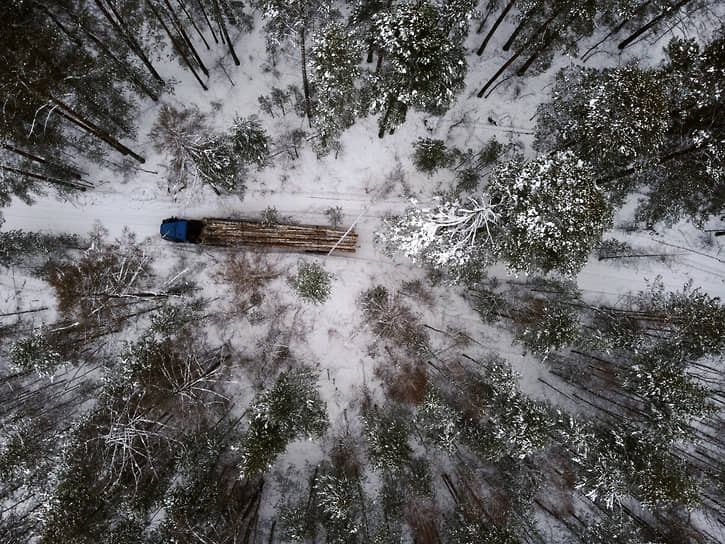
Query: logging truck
x,y
237,233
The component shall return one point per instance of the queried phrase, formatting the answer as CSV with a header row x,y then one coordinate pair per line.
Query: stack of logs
x,y
228,232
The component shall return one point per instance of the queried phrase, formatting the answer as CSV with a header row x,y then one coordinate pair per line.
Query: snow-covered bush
x,y
291,409
556,326
386,431
36,353
311,282
334,216
430,155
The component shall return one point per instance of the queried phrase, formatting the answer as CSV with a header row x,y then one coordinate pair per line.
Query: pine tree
x,y
689,180
615,119
551,211
334,65
424,63
557,326
18,246
201,156
291,409
386,431
430,155
295,20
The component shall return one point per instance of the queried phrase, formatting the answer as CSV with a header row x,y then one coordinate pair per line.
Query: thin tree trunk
x,y
176,44
662,160
92,128
119,25
484,19
516,55
180,29
371,49
499,72
386,116
652,23
305,81
46,179
124,67
72,170
526,65
193,23
516,32
200,3
132,76
614,31
495,27
547,42
223,26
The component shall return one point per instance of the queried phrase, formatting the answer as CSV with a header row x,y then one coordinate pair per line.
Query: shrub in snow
x,y
386,432
551,211
311,282
292,409
270,216
430,155
36,353
556,326
334,216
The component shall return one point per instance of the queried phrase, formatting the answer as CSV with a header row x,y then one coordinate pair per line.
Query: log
x,y
227,232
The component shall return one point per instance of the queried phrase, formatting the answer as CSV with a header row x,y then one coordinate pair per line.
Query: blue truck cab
x,y
181,230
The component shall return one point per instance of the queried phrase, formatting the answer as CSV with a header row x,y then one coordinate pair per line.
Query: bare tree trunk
x,y
489,10
614,31
516,55
94,129
223,26
516,31
495,26
193,23
176,44
208,22
499,72
652,23
132,76
53,181
119,25
71,169
180,29
305,81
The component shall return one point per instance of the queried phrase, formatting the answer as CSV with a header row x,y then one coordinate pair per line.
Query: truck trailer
x,y
238,233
